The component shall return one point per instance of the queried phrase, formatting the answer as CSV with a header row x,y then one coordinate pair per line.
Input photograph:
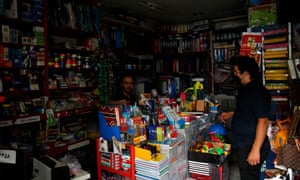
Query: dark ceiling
x,y
178,11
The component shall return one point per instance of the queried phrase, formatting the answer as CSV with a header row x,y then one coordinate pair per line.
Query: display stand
x,y
130,173
204,162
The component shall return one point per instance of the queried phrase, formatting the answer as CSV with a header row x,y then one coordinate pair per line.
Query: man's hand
x,y
225,116
253,157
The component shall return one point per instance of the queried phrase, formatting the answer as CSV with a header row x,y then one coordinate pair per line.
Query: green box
x,y
262,15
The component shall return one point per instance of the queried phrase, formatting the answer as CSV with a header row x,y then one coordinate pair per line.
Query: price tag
x,y
28,119
8,156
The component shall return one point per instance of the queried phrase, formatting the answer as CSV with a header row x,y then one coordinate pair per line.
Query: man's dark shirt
x,y
120,95
253,102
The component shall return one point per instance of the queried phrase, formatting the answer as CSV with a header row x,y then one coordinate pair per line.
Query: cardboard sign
x,y
8,156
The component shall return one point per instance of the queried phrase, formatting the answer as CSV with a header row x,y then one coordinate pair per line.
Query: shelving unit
x,y
225,46
276,53
181,52
226,34
70,73
36,51
22,70
131,42
22,91
62,63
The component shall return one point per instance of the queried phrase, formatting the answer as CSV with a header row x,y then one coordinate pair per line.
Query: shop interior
x,y
62,63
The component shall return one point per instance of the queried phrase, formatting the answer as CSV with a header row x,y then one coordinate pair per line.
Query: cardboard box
x,y
262,15
196,154
5,33
48,168
200,105
206,157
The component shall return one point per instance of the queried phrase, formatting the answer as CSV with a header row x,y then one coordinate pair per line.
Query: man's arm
x,y
260,135
118,102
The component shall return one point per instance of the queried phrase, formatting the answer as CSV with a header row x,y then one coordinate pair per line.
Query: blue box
x,y
107,132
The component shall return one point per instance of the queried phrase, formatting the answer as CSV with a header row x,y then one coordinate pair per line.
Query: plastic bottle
x,y
62,60
68,61
74,60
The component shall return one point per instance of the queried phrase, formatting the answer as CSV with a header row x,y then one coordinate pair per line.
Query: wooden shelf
x,y
18,22
69,32
68,146
81,175
111,21
21,120
77,111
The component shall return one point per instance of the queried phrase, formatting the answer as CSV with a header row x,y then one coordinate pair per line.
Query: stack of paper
x,y
156,168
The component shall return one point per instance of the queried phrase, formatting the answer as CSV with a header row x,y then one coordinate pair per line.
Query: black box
x,y
206,157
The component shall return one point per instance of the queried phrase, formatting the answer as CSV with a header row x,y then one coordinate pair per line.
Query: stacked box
x,y
38,33
207,157
182,168
15,55
207,165
32,11
5,33
190,132
173,171
175,151
6,60
14,35
111,160
171,146
40,55
12,10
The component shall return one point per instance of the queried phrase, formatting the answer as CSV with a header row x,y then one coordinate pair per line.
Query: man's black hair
x,y
246,63
122,76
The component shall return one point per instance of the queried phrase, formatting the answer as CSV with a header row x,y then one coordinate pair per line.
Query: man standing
x,y
125,95
250,119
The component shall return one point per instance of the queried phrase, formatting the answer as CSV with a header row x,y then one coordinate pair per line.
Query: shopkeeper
x,y
125,94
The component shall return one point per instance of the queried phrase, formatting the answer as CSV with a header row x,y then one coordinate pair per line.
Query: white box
x,y
48,168
5,33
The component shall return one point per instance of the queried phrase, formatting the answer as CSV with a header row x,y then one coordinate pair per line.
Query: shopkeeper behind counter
x,y
125,93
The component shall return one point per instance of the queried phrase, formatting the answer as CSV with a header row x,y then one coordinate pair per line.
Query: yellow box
x,y
142,153
189,105
139,139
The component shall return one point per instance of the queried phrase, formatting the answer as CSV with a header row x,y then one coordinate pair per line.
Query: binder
x,y
106,131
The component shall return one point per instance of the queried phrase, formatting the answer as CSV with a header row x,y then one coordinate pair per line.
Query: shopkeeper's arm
x,y
260,135
225,116
119,102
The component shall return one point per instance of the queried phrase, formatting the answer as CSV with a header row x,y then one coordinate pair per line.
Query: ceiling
x,y
178,11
